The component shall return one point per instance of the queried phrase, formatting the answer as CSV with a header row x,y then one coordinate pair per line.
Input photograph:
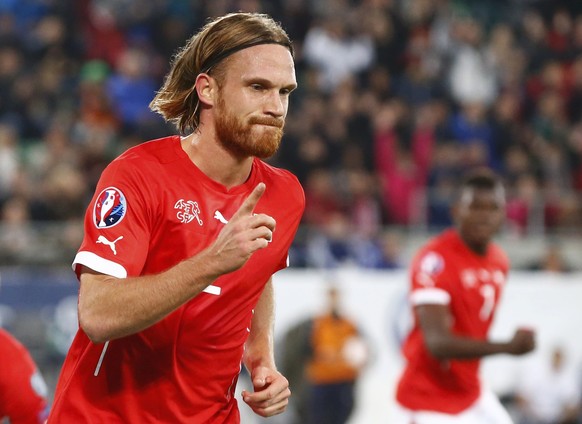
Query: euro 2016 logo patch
x,y
110,208
432,263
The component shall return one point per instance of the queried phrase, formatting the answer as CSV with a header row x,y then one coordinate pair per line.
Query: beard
x,y
245,139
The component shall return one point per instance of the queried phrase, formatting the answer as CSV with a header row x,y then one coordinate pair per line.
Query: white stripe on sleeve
x,y
99,264
430,296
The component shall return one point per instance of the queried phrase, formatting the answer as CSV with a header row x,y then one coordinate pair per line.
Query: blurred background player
x,y
23,392
456,282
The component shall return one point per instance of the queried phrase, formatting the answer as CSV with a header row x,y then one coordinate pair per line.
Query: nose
x,y
276,105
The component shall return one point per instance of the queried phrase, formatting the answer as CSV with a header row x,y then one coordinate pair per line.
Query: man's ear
x,y
205,88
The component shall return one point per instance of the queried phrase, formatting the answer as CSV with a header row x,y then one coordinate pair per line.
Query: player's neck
x,y
477,248
216,162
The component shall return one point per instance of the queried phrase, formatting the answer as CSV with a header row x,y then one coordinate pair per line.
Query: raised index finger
x,y
250,202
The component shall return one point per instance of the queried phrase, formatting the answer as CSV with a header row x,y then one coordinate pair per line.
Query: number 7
x,y
488,293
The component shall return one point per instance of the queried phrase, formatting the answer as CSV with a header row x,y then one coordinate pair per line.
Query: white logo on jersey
x,y
107,205
220,217
469,278
432,263
479,276
484,275
110,207
38,384
188,211
498,277
111,244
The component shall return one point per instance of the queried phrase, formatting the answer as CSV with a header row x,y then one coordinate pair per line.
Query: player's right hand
x,y
270,394
523,342
245,233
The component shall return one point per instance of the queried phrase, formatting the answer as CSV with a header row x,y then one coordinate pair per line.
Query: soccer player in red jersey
x,y
457,279
23,391
181,240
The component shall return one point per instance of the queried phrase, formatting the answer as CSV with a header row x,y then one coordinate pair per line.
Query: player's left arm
x,y
271,389
435,322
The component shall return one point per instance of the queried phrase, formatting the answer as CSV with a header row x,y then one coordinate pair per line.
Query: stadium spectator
x,y
322,200
523,208
560,33
338,49
548,390
399,172
16,235
501,50
392,251
130,88
457,279
23,392
552,259
295,351
363,203
445,169
9,163
180,244
380,251
332,246
472,76
533,38
506,139
338,355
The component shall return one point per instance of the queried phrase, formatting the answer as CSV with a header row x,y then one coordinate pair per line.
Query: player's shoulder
x,y
498,254
139,163
283,180
435,252
157,150
275,173
9,345
7,339
443,243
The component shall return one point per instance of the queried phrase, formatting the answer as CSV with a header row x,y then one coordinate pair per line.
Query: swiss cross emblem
x,y
188,211
469,277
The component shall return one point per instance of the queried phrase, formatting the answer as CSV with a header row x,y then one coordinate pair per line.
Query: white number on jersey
x,y
488,293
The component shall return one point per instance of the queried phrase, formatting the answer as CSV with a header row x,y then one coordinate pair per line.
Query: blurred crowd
x,y
396,100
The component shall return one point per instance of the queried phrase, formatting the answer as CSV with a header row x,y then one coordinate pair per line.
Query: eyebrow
x,y
268,83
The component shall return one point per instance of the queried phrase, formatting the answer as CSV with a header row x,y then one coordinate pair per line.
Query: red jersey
x,y
152,209
22,389
446,271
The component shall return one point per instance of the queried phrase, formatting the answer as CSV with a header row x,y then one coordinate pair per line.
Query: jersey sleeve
x,y
429,279
117,223
23,391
